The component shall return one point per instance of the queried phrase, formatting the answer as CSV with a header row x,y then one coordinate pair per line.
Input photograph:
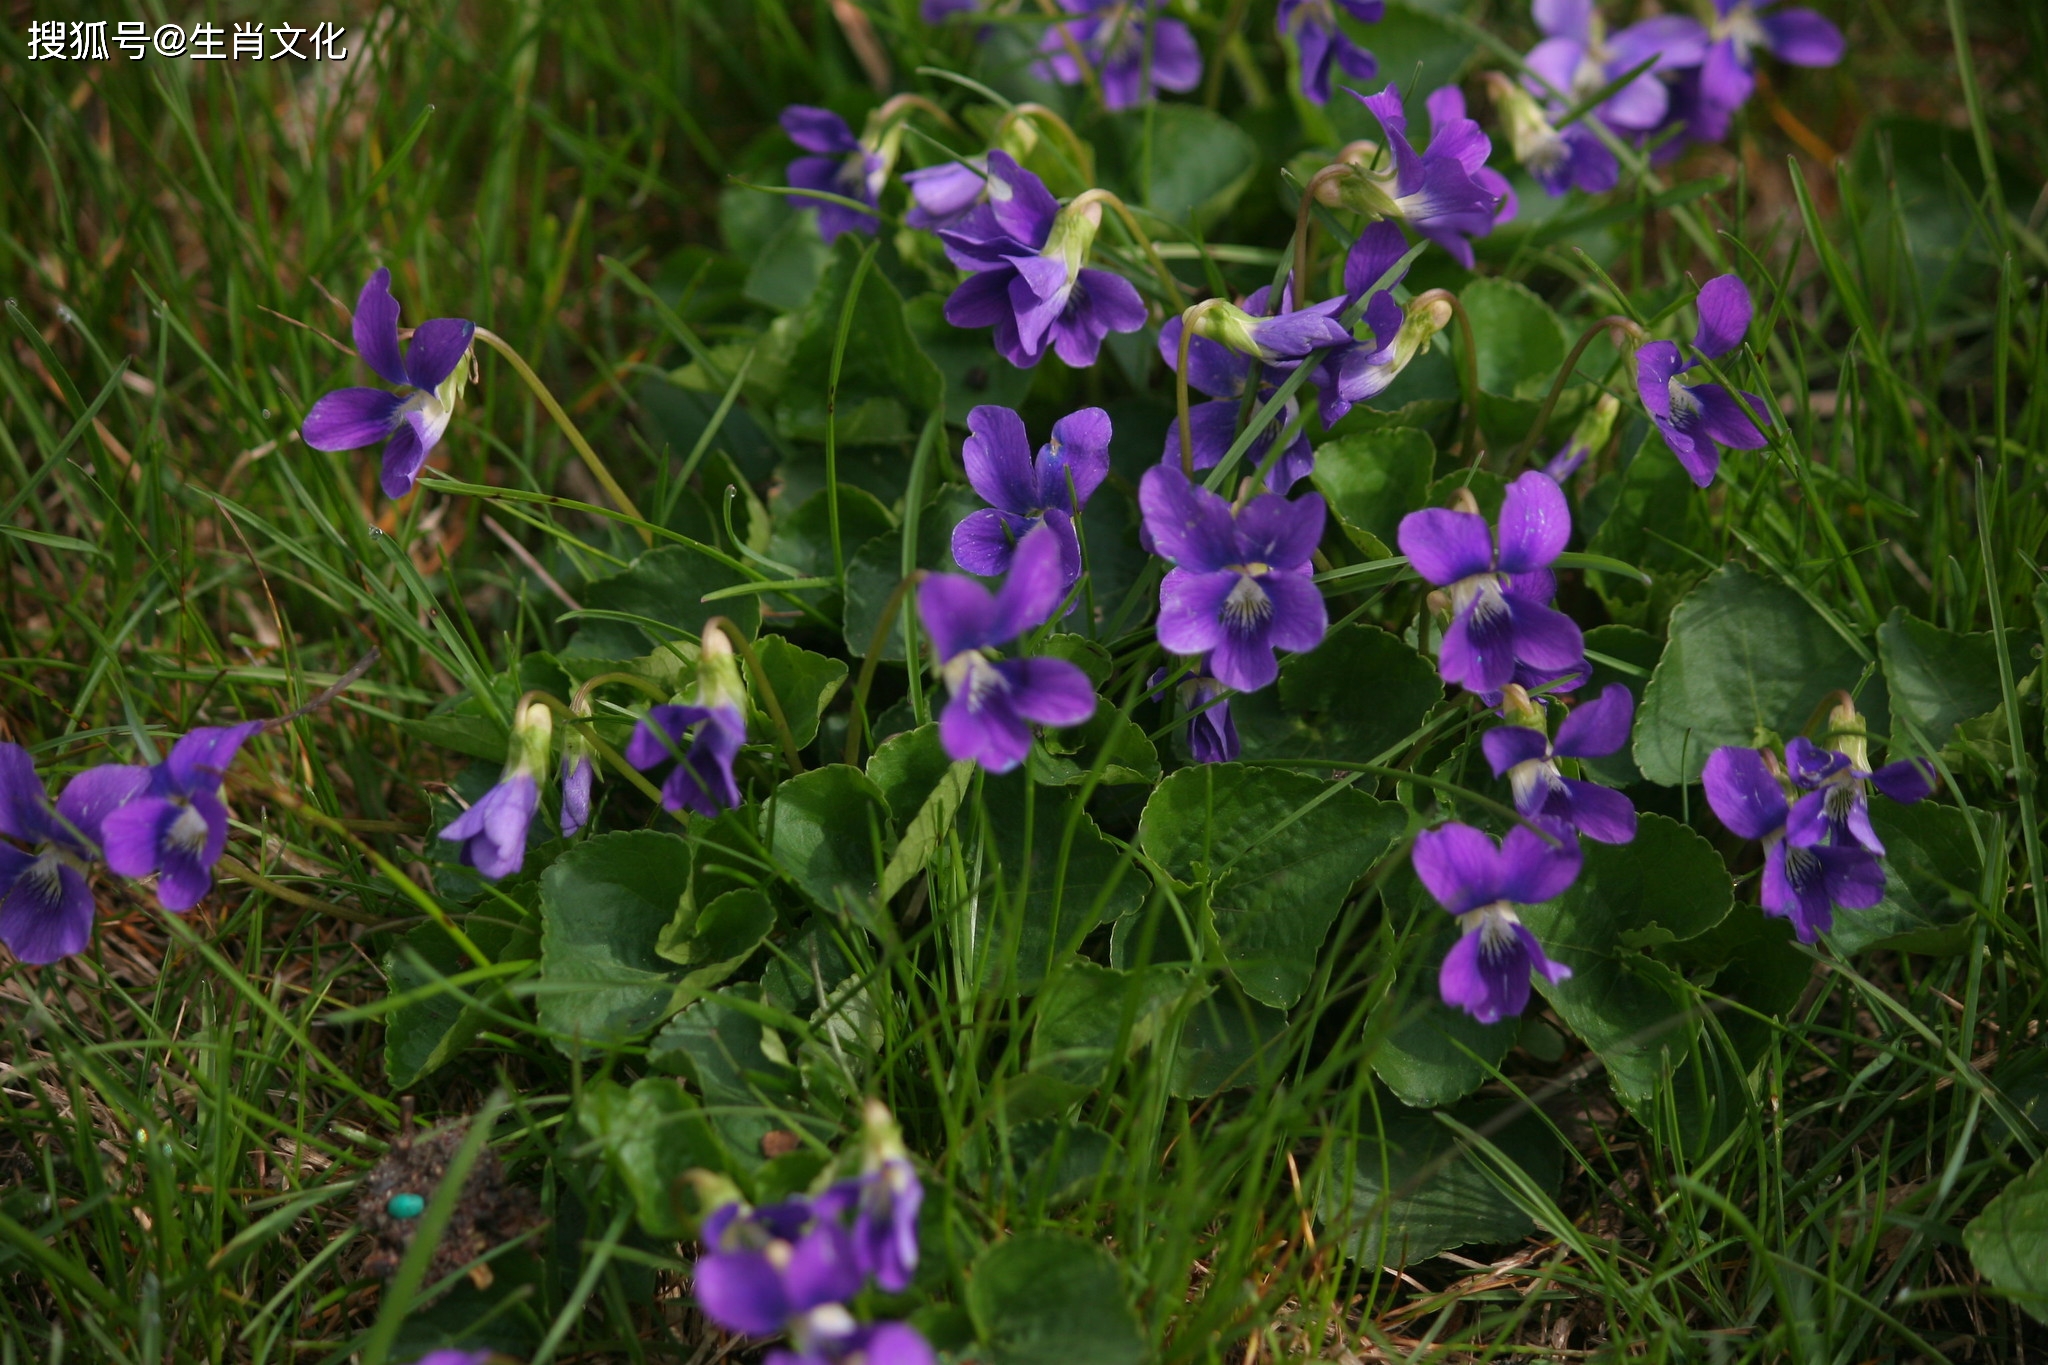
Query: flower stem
x,y
547,400
1130,222
745,649
1180,385
1305,223
860,274
855,721
1468,372
1082,158
1613,322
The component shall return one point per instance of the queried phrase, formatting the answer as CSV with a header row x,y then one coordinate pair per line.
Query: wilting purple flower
x,y
1486,973
1445,192
1527,757
942,196
492,832
1588,436
1029,280
994,701
1240,587
578,771
1323,41
1212,733
1118,41
1363,370
411,423
1802,883
177,825
844,165
1836,806
1577,60
46,906
1500,617
1698,419
1728,70
1560,159
1025,493
1222,371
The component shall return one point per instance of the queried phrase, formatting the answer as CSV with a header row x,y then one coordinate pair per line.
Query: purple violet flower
x,y
492,832
1836,806
938,11
993,702
942,196
46,904
702,779
844,165
1560,159
1211,733
830,1336
1803,883
1025,493
1222,370
578,771
177,824
455,1355
1728,69
1323,42
1577,60
763,1270
1364,370
410,424
1486,973
1445,192
1118,41
1698,419
1524,753
1498,599
1240,587
1589,435
1028,276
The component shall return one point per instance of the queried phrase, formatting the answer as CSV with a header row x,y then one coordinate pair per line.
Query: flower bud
x,y
718,673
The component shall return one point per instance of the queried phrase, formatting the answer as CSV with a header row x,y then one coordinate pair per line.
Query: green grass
x,y
185,1108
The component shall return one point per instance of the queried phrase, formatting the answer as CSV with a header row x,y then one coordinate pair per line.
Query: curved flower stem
x,y
547,400
896,106
580,701
1130,222
1304,223
1614,322
855,721
745,649
1180,384
1077,150
1468,371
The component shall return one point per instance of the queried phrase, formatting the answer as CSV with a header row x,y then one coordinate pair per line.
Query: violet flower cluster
x,y
791,1268
1810,808
1123,48
166,820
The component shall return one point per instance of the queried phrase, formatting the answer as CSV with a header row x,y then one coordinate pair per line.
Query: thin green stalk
x,y
860,274
745,649
591,461
876,640
1614,322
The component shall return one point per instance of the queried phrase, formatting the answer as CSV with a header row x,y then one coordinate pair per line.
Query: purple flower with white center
x,y
843,165
1523,753
1486,973
1323,42
995,701
410,424
1836,806
1119,42
1697,419
1498,599
1803,883
177,824
492,832
1577,60
46,905
1445,192
942,196
830,1336
1029,279
1240,587
1222,370
1026,493
764,1270
1211,733
880,1205
1728,69
702,779
1560,159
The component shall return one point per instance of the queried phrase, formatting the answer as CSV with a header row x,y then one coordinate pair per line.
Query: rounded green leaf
x,y
1041,1298
828,831
1373,479
603,906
